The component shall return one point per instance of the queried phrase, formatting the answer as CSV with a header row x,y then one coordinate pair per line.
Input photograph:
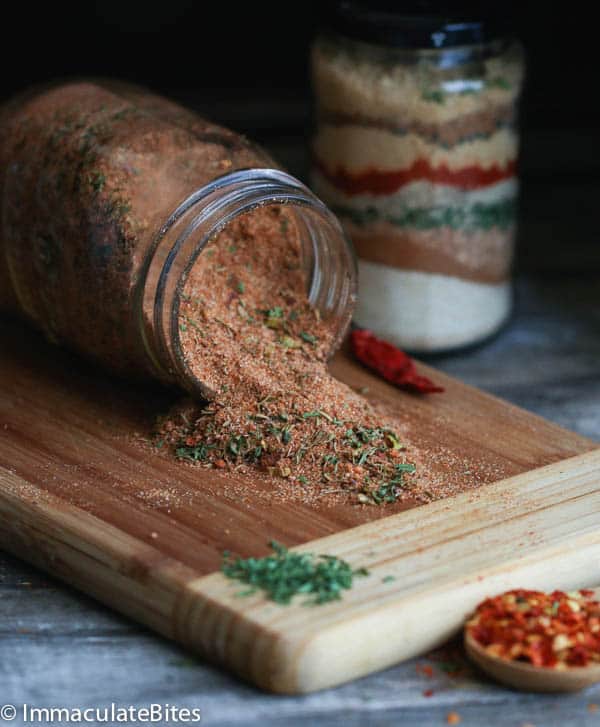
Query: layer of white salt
x,y
426,312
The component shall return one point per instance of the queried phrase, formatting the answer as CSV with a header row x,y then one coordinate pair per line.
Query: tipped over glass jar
x,y
108,195
415,150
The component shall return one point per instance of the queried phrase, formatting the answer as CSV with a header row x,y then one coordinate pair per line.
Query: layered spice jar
x,y
415,149
108,196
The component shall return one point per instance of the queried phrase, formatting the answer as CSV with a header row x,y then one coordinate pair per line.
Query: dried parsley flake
x,y
283,575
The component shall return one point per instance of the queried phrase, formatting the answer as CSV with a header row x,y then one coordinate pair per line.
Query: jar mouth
x,y
327,253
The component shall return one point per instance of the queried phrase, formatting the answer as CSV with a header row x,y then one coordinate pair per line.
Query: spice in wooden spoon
x,y
546,642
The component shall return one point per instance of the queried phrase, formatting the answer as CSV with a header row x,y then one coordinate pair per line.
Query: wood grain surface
x,y
59,646
429,567
77,435
83,497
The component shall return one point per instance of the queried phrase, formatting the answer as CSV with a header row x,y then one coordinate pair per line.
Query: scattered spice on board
x,y
557,630
250,335
390,362
453,718
274,417
283,575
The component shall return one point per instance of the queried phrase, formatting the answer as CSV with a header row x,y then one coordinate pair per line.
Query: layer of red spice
x,y
375,181
556,630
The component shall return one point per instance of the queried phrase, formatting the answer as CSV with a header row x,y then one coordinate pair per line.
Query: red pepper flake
x,y
425,670
453,718
428,693
556,630
592,707
389,362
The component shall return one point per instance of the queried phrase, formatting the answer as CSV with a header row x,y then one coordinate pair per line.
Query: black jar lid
x,y
418,24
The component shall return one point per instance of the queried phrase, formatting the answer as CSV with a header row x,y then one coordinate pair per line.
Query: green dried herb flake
x,y
284,574
195,453
289,342
316,413
434,96
308,337
275,312
97,181
405,467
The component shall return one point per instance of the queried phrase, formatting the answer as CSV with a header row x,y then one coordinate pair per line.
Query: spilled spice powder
x,y
250,335
273,414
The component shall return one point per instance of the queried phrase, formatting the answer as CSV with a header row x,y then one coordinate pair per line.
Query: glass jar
x,y
415,150
109,194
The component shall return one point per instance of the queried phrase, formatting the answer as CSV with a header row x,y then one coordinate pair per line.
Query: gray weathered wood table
x,y
59,648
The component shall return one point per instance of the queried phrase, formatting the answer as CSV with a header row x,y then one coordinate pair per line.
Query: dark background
x,y
189,48
198,51
245,64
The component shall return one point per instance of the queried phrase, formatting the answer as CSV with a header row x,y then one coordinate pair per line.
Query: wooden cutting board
x,y
84,499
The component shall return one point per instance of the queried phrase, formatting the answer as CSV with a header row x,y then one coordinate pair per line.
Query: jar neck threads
x,y
328,257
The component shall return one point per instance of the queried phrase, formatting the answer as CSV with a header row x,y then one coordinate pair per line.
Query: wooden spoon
x,y
531,678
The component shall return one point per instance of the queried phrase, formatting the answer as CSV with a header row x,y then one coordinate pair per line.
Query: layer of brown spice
x,y
449,133
483,256
250,335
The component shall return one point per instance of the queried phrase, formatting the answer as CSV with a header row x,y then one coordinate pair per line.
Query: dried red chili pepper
x,y
389,362
557,630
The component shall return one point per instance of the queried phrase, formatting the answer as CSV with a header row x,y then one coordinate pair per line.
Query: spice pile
x,y
260,349
283,575
556,630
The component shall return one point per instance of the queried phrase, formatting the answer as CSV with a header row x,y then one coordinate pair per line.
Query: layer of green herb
x,y
470,218
439,95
